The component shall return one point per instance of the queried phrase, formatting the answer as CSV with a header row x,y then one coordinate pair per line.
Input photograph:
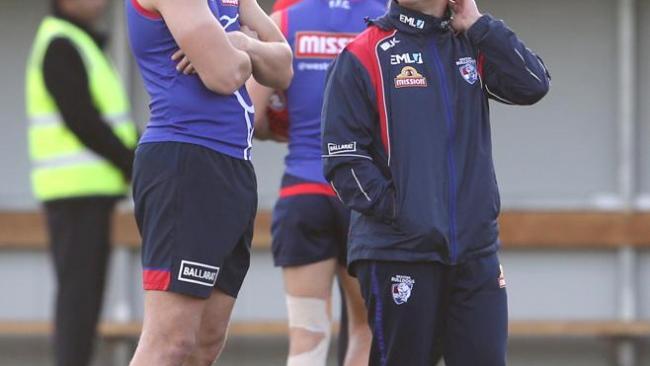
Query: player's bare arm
x,y
218,60
270,54
261,95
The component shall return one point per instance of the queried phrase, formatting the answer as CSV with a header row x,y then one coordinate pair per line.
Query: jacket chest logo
x,y
406,58
385,46
409,77
468,70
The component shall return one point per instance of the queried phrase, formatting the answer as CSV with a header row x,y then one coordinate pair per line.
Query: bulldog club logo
x,y
467,68
409,77
401,288
502,277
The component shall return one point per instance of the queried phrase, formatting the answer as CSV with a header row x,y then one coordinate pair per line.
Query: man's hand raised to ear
x,y
466,13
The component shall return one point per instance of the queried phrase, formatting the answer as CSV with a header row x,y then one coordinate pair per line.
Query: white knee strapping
x,y
310,314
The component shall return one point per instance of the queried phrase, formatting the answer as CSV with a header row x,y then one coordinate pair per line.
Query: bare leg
x,y
213,331
305,285
359,334
171,325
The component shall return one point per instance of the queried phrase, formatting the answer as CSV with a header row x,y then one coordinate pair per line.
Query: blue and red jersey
x,y
406,134
317,31
182,108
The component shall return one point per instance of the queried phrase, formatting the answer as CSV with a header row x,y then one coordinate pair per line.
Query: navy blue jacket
x,y
406,134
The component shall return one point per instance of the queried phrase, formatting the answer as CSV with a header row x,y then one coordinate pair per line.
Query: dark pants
x,y
79,232
421,311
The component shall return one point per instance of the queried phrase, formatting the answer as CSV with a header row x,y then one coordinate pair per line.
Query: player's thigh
x,y
355,305
310,280
477,325
171,317
308,290
215,318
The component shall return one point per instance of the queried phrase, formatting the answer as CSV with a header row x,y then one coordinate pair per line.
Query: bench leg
x,y
626,353
121,351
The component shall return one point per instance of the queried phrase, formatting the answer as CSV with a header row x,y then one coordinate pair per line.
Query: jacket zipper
x,y
451,163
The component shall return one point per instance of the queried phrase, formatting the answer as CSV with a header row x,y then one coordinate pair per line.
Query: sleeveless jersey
x,y
182,108
317,31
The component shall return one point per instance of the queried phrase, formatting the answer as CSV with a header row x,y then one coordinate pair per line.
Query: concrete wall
x,y
537,149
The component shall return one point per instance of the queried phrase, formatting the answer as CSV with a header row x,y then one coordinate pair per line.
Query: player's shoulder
x,y
366,43
282,5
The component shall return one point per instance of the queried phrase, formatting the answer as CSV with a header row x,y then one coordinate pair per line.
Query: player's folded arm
x,y
221,67
349,134
511,73
271,55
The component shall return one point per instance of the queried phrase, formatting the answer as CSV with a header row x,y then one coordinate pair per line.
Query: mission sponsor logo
x,y
230,2
321,44
198,273
406,58
411,21
334,149
409,77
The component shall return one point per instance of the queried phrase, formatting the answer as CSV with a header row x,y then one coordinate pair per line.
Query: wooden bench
x,y
535,328
519,229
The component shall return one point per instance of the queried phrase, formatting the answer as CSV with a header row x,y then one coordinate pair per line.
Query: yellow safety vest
x,y
62,166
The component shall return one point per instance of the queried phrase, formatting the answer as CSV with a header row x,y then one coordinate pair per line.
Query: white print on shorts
x,y
199,273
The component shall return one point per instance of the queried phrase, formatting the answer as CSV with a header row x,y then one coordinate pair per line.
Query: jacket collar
x,y
411,21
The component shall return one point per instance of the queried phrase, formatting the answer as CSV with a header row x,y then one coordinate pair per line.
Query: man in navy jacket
x,y
407,146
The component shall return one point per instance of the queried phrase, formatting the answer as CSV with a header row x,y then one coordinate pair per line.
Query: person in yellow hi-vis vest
x,y
81,142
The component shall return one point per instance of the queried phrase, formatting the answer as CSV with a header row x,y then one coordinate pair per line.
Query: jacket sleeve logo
x,y
409,77
199,273
334,149
468,70
321,44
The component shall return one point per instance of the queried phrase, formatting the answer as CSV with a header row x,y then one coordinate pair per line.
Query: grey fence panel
x,y
561,152
18,22
643,71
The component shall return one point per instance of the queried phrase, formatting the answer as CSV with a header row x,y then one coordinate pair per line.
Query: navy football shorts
x,y
195,209
310,224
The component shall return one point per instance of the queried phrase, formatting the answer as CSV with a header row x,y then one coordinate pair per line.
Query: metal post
x,y
119,45
626,349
